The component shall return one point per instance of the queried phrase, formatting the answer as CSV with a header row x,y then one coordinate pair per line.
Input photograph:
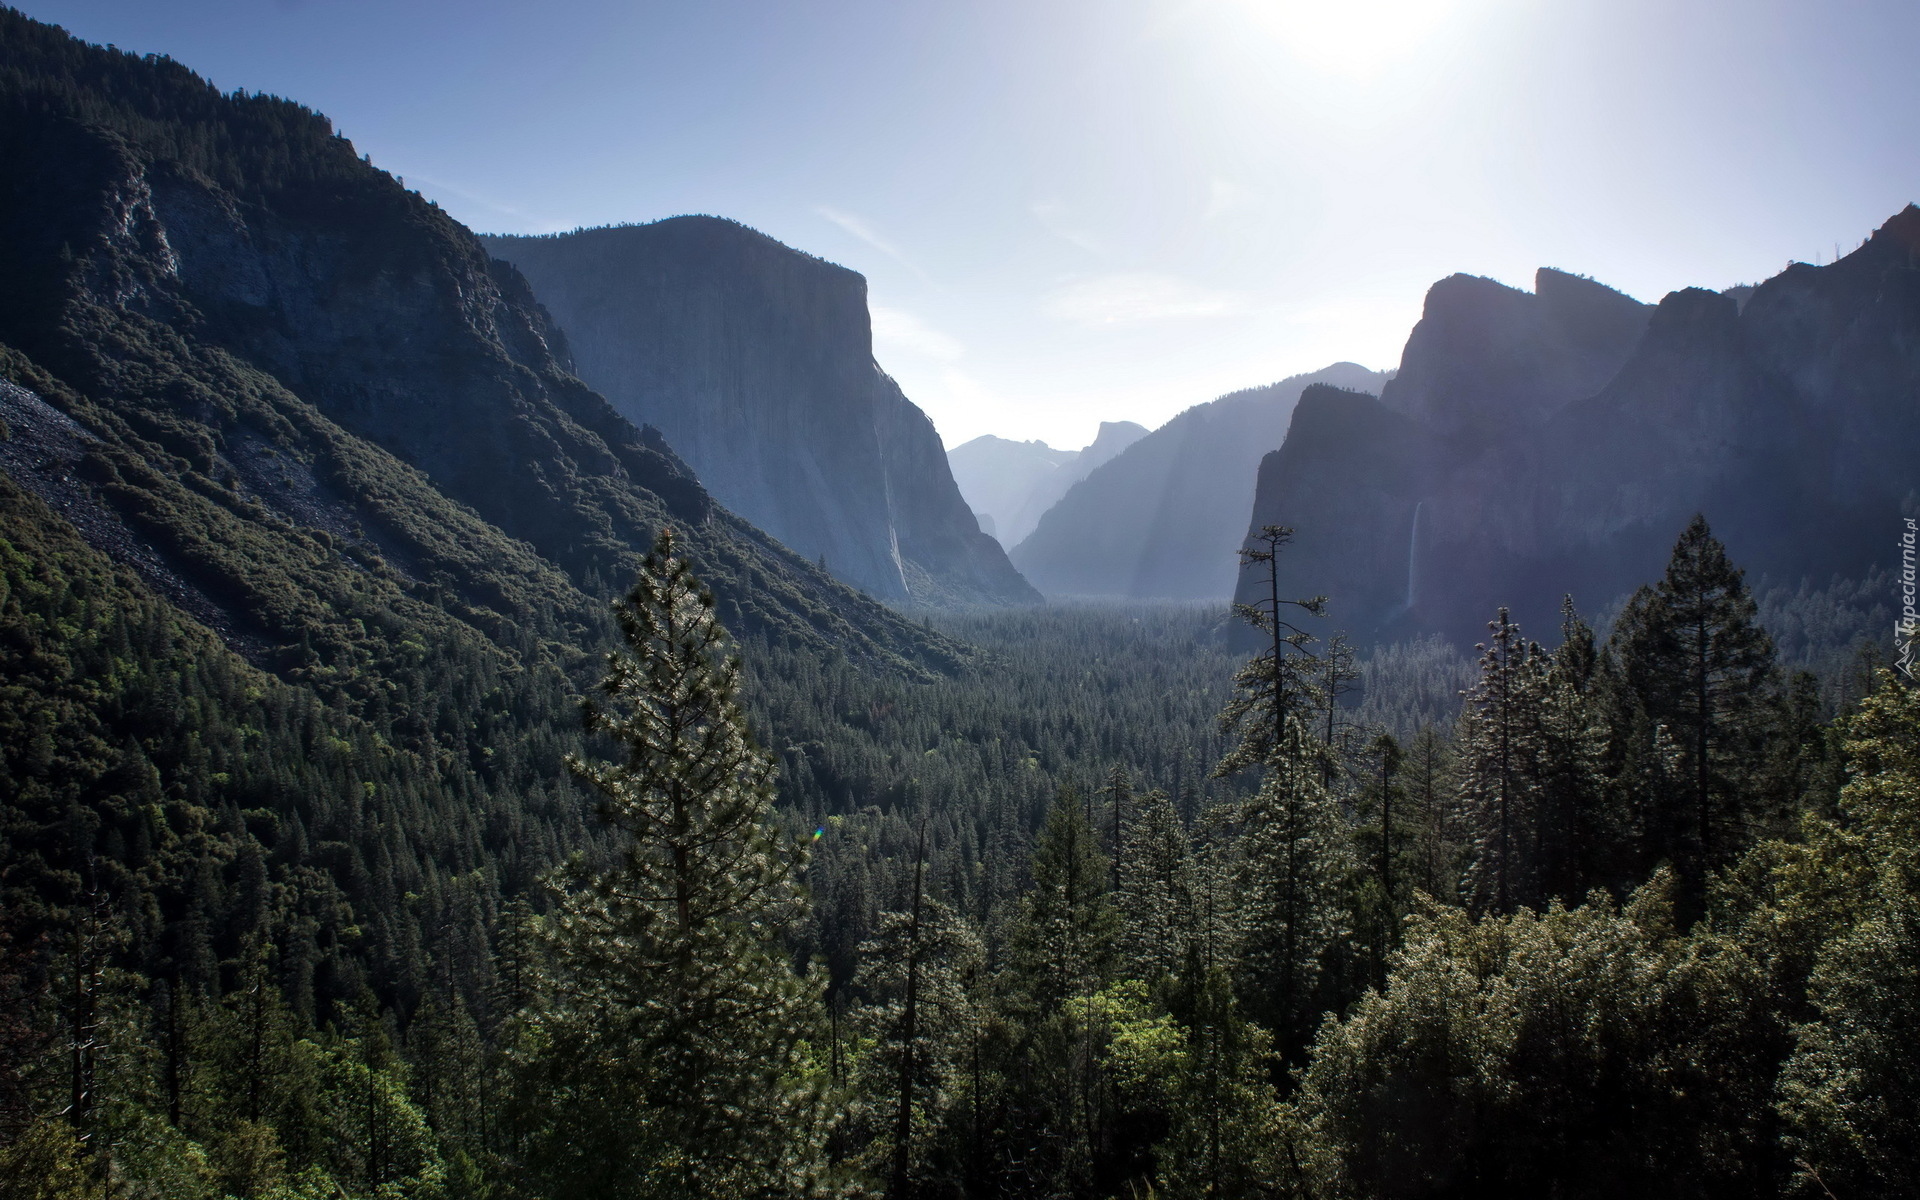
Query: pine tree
x,y
1430,796
1060,954
1293,871
1214,926
1575,835
1848,892
1384,844
1335,674
1220,1144
1692,653
923,1021
1062,945
1156,892
670,1059
1280,681
1497,746
1530,778
1641,772
1119,797
1292,854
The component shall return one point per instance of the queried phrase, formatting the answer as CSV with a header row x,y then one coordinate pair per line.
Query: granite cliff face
x,y
1164,518
1534,446
1010,485
288,373
1484,355
756,363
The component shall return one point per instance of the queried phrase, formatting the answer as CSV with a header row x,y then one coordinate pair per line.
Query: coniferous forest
x,y
394,806
1575,932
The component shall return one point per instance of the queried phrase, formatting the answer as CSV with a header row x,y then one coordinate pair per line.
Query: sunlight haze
x,y
1083,211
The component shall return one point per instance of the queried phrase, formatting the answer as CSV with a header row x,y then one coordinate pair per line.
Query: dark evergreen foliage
x,y
284,726
1695,662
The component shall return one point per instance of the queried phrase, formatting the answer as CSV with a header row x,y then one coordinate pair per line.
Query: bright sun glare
x,y
1350,37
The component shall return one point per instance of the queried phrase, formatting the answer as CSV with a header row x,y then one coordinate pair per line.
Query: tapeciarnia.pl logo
x,y
1909,621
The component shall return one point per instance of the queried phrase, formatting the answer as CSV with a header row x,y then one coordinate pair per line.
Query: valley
x,y
541,716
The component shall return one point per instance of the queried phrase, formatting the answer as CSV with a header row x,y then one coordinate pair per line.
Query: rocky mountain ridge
x,y
272,350
1519,452
1163,519
755,361
1010,485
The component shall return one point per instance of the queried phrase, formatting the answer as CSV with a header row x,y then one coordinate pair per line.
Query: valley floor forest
x,y
416,785
1599,917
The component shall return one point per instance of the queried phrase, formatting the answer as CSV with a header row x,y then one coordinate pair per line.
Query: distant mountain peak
x,y
1113,438
1162,519
1486,355
1554,441
1011,484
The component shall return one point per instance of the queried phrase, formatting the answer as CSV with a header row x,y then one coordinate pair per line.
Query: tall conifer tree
x,y
923,1021
1696,659
1428,770
1575,836
1280,680
1295,863
1061,953
670,1054
1497,746
1156,892
1293,857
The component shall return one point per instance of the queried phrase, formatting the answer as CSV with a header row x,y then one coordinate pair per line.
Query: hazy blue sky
x,y
1071,210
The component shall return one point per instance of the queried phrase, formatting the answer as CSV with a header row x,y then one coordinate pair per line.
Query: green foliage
x,y
1582,1052
48,1162
1282,680
1155,900
1222,1139
1838,916
1529,771
1062,946
669,1057
1294,866
1388,841
931,955
1693,658
1849,1093
1060,953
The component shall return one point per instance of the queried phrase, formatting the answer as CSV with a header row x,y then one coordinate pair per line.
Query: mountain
x,y
306,539
999,476
1535,444
756,362
1011,484
1484,354
1163,519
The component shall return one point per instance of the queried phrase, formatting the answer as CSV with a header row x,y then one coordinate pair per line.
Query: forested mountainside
x,y
315,884
1012,484
756,361
308,539
1161,519
225,280
1533,444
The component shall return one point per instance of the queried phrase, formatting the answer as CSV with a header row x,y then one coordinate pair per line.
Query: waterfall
x,y
1413,549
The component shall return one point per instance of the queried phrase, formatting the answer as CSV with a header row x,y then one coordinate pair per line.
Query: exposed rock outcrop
x,y
302,389
1532,446
1012,484
1485,355
1163,519
756,363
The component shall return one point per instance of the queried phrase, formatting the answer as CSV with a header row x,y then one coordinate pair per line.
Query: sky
x,y
1071,211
